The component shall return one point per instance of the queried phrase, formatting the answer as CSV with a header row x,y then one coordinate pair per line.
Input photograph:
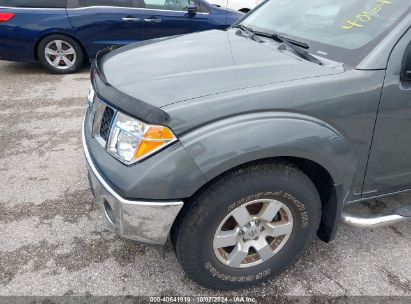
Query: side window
x,y
202,8
117,3
34,3
170,5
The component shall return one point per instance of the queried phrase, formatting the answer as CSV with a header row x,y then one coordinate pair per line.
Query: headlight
x,y
132,140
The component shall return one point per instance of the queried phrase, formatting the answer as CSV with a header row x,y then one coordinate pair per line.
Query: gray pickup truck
x,y
243,145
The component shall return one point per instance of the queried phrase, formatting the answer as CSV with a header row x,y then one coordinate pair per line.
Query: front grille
x,y
106,123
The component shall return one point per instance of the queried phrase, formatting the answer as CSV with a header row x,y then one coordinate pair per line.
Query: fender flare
x,y
225,144
229,143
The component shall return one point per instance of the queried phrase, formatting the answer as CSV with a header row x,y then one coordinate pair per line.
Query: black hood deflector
x,y
121,101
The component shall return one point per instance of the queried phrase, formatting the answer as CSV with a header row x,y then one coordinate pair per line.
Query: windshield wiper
x,y
297,46
249,32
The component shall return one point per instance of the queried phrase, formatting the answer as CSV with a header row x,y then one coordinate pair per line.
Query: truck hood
x,y
165,71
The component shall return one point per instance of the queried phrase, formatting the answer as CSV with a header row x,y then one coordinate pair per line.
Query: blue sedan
x,y
62,34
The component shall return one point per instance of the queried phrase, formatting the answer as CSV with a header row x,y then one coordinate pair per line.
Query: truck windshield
x,y
332,28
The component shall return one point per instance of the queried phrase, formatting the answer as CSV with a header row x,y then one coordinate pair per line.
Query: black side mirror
x,y
192,10
406,65
406,75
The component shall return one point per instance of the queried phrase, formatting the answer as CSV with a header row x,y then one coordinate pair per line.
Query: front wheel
x,y
248,226
60,54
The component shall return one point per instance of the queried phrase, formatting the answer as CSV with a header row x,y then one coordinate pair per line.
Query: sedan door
x,y
103,23
170,17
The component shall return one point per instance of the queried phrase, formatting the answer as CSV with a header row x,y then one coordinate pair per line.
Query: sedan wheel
x,y
60,54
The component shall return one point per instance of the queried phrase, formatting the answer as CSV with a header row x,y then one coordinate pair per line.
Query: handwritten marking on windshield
x,y
365,16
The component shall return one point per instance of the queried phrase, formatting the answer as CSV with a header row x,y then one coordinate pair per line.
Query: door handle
x,y
152,20
131,19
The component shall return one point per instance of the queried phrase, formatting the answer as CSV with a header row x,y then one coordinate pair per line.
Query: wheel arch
x,y
330,193
315,147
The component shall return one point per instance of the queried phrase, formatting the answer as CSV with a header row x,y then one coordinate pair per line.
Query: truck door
x,y
389,165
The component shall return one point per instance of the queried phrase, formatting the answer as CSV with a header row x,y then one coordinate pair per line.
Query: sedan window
x,y
171,5
34,3
117,3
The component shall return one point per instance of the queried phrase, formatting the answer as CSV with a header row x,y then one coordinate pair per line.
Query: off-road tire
x,y
194,230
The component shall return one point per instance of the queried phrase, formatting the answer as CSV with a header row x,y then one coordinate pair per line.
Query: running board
x,y
399,215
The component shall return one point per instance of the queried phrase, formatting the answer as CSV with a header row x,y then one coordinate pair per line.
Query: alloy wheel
x,y
60,54
253,233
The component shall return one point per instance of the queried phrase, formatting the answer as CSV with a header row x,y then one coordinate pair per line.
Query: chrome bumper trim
x,y
143,221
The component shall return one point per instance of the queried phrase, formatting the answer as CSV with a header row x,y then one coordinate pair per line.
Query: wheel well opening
x,y
83,49
320,177
324,184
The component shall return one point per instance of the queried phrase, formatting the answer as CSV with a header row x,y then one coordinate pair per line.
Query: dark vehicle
x,y
61,34
247,143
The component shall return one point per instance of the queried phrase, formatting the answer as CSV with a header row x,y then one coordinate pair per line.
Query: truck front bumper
x,y
143,221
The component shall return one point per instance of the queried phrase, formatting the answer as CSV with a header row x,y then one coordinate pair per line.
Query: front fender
x,y
222,145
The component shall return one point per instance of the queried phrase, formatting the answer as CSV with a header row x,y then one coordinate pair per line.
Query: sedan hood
x,y
171,70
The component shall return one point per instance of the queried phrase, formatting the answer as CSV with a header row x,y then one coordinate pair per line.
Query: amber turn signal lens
x,y
159,133
147,147
155,138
